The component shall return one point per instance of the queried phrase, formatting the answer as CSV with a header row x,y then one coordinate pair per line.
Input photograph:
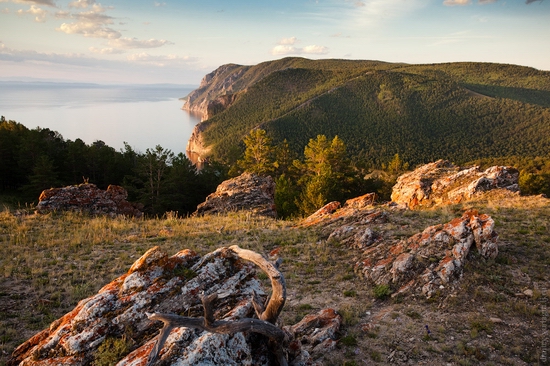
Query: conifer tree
x,y
258,156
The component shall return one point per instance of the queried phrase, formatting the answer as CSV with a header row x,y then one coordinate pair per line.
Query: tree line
x,y
32,160
38,159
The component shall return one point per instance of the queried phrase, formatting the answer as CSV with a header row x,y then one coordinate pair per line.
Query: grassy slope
x,y
460,111
49,263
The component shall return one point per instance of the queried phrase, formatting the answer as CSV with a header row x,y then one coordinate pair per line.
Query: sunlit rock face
x,y
247,192
442,183
427,262
158,283
89,199
431,260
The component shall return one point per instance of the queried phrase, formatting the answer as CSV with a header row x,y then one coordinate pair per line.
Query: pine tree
x,y
258,156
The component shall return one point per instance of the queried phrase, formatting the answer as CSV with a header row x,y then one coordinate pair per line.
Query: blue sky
x,y
180,41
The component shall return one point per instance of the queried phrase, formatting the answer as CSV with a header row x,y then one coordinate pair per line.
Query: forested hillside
x,y
458,111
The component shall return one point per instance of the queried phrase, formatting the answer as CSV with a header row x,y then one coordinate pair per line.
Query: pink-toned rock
x,y
89,199
363,201
158,283
431,259
442,182
321,214
247,192
315,333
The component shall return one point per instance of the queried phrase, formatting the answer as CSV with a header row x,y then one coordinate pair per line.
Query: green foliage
x,y
349,341
111,351
286,194
258,156
34,160
459,111
185,272
396,166
381,291
314,194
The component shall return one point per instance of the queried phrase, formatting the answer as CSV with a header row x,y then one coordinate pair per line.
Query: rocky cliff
x,y
196,149
216,91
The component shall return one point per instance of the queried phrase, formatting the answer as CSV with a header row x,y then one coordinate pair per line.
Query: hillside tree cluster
x,y
32,160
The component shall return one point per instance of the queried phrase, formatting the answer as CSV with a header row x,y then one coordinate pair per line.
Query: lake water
x,y
141,115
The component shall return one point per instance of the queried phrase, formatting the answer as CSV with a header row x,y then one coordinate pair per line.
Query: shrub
x,y
381,291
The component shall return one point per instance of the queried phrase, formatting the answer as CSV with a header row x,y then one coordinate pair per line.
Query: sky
x,y
169,41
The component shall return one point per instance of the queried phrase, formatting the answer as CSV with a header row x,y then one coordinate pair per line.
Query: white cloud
x,y
314,49
89,29
368,14
162,60
157,4
5,11
81,4
291,40
38,13
9,54
286,47
291,50
130,43
456,2
92,23
105,51
32,2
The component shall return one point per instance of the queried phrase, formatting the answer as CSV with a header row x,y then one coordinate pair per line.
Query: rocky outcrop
x,y
442,182
247,192
174,284
89,199
355,210
431,260
424,264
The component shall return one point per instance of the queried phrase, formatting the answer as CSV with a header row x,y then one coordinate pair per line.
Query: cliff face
x,y
216,91
196,148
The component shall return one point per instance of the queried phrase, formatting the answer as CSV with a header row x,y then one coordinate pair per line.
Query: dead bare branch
x,y
278,296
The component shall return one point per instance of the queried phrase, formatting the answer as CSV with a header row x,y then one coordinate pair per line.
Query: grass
x,y
50,262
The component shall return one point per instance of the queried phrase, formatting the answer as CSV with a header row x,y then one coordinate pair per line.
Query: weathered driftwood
x,y
265,324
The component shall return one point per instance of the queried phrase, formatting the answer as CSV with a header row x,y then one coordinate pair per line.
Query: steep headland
x,y
455,111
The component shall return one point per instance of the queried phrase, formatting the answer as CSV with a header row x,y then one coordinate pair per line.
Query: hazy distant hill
x,y
456,111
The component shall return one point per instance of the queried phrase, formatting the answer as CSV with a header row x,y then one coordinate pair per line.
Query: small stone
x,y
528,293
495,320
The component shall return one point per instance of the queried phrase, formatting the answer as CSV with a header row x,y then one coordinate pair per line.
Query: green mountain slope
x,y
457,111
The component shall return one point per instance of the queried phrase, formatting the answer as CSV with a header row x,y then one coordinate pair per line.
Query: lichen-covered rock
x,y
158,283
89,199
442,182
432,259
314,334
247,192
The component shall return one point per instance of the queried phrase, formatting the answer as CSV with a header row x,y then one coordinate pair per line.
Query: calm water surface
x,y
141,115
